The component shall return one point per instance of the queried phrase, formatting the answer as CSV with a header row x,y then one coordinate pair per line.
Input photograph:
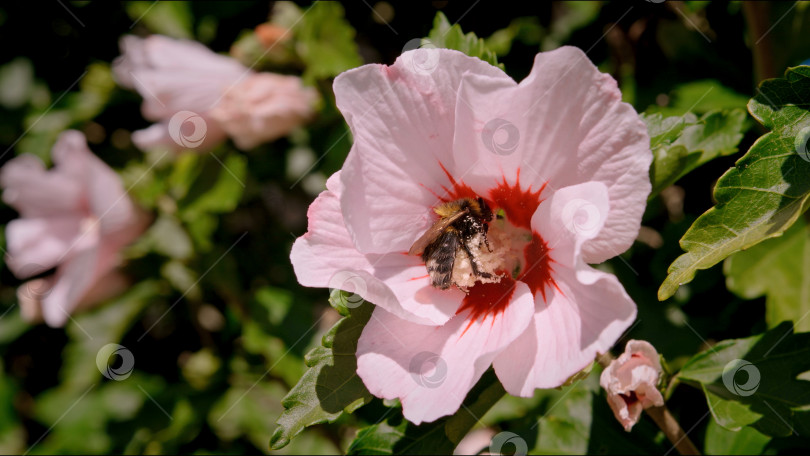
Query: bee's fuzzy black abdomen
x,y
440,257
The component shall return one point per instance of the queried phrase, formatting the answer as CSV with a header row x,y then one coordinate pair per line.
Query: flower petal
x,y
157,135
326,257
72,280
37,192
106,197
264,107
174,75
431,369
564,124
38,244
586,316
402,119
571,217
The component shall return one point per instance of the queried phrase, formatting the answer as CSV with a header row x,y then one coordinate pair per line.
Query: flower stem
x,y
757,16
672,429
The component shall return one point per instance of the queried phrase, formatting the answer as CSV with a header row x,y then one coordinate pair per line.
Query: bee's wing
x,y
430,235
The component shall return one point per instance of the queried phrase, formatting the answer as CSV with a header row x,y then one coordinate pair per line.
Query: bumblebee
x,y
462,225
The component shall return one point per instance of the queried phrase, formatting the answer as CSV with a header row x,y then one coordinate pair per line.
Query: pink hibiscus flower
x,y
631,382
76,218
561,162
199,97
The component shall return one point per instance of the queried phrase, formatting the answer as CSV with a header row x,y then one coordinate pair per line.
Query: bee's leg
x,y
476,271
486,239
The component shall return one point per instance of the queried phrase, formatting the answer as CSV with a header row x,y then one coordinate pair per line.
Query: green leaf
x,y
218,188
247,409
12,434
565,429
84,429
16,83
720,440
569,17
167,237
764,193
325,41
700,97
681,144
167,18
779,269
444,35
91,331
755,381
396,435
70,110
330,386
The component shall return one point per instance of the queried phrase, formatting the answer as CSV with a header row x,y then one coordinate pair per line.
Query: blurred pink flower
x,y
75,217
263,108
562,161
199,97
631,382
475,441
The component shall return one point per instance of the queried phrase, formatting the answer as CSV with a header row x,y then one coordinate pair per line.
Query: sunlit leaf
x,y
747,440
681,144
778,268
331,386
444,35
325,41
700,97
166,18
765,192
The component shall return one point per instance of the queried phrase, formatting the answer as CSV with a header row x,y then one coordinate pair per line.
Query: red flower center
x,y
517,205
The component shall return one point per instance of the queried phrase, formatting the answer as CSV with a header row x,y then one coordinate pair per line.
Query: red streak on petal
x,y
486,299
459,190
518,204
421,277
537,273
